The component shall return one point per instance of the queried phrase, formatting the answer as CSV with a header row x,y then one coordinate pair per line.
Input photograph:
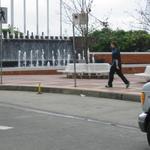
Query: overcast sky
x,y
119,13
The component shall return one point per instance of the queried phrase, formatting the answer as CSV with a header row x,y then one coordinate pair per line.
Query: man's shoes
x,y
108,86
127,85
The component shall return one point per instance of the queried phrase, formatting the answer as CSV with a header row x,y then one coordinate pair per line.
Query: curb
x,y
74,91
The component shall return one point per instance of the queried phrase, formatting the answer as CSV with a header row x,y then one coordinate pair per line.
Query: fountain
x,y
7,35
48,64
68,58
79,57
2,35
93,59
31,58
23,36
43,58
13,35
64,57
19,58
83,55
53,58
88,55
37,58
25,59
58,58
18,35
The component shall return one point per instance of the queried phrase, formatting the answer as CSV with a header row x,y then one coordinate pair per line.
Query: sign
x,y
80,19
75,19
3,15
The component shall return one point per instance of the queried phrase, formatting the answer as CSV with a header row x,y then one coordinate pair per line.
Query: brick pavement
x,y
60,81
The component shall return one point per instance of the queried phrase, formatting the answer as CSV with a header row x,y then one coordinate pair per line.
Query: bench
x,y
145,74
99,69
82,69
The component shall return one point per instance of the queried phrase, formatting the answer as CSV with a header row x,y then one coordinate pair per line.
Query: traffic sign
x,y
3,15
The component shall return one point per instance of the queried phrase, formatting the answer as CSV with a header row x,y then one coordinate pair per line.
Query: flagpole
x,y
37,17
12,16
47,17
24,5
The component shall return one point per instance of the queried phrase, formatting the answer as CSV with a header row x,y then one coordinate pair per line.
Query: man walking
x,y
116,67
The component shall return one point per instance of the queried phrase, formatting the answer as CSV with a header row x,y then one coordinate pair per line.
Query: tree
x,y
82,7
128,41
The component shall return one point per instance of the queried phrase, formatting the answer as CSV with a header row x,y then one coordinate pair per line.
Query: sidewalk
x,y
90,87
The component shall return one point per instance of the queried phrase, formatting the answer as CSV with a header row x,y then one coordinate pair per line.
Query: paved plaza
x,y
60,81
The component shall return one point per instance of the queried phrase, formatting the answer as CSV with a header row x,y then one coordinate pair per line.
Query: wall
x,y
127,58
140,60
12,46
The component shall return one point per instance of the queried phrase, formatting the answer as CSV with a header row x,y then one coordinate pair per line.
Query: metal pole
x,y
60,17
24,5
74,57
12,16
83,4
86,38
37,17
1,53
47,17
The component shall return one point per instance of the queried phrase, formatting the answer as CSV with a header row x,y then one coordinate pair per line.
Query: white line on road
x,y
61,115
5,128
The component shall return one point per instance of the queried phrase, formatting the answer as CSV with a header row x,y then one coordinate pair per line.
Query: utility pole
x,y
24,8
48,18
60,17
37,17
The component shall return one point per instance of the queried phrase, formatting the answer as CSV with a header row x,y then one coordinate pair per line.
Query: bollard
x,y
39,89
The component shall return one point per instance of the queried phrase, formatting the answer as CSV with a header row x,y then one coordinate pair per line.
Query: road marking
x,y
61,115
5,128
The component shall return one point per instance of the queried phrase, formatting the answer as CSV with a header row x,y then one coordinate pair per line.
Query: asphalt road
x,y
63,122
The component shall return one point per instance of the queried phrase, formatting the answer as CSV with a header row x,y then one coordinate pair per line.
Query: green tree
x,y
128,41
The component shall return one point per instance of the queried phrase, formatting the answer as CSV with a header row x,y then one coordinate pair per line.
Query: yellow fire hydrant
x,y
39,88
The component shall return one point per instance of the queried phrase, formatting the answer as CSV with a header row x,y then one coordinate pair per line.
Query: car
x,y
144,117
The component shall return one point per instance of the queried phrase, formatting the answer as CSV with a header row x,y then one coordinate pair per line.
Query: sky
x,y
119,13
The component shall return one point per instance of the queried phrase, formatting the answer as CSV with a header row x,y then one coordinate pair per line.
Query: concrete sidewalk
x,y
89,87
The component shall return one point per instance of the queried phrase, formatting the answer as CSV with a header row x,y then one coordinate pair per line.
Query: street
x,y
29,121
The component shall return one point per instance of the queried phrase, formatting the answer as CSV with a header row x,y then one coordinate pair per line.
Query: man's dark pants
x,y
114,70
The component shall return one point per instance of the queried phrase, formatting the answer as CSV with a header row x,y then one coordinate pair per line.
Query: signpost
x,y
3,20
79,19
